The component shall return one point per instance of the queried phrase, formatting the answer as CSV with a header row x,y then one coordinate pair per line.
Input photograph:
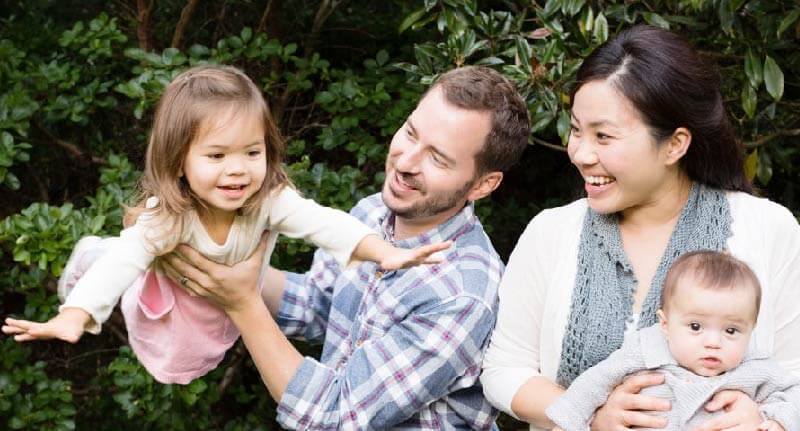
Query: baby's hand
x,y
557,429
404,258
770,425
68,325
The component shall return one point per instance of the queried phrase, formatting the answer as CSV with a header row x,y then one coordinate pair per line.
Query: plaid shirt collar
x,y
461,222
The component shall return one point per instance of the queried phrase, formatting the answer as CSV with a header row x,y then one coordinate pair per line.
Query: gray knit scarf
x,y
602,301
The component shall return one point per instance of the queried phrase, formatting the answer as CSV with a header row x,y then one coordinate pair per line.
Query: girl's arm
x,y
121,261
340,234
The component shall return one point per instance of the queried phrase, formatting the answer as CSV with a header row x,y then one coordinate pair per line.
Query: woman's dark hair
x,y
671,86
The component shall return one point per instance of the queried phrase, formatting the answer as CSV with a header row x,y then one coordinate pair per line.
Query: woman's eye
x,y
254,153
574,129
602,136
694,326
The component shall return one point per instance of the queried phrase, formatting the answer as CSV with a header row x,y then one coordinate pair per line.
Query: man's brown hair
x,y
479,88
711,270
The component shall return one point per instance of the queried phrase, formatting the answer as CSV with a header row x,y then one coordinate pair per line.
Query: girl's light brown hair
x,y
193,99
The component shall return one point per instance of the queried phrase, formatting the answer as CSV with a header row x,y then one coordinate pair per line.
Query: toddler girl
x,y
710,303
213,179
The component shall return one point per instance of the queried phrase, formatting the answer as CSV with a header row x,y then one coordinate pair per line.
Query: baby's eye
x,y
694,326
731,331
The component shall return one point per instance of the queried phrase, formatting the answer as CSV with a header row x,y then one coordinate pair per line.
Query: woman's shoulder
x,y
753,209
567,215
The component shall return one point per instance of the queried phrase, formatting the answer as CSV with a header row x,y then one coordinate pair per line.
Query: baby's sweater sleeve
x,y
335,231
574,409
99,289
779,397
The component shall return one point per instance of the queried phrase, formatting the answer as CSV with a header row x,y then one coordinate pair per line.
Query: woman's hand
x,y
625,407
229,287
741,413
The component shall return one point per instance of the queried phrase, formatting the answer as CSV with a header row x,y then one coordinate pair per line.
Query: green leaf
x,y
656,20
600,32
246,34
773,78
764,172
411,19
788,21
563,126
753,69
749,100
751,165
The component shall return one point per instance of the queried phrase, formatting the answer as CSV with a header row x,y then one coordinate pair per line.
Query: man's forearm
x,y
275,357
272,290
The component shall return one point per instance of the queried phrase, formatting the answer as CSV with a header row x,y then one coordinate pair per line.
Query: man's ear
x,y
662,320
678,144
484,185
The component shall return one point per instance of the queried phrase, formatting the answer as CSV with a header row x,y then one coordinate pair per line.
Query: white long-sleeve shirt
x,y
284,211
536,291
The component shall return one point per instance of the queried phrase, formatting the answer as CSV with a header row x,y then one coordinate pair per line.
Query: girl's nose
x,y
234,166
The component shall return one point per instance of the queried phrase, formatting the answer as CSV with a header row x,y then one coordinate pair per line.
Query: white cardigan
x,y
536,291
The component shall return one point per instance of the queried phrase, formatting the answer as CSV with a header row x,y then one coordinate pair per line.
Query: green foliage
x,y
78,89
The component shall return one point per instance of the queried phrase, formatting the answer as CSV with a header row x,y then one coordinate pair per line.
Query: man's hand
x,y
741,413
229,287
68,325
625,407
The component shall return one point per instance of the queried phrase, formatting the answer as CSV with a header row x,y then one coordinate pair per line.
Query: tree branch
x,y
70,147
238,355
766,138
145,8
548,145
183,22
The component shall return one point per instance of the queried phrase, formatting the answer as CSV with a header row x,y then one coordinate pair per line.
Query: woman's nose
x,y
582,152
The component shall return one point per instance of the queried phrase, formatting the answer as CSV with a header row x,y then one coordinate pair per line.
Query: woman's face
x,y
622,166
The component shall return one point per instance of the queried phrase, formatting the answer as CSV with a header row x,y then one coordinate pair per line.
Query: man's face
x,y
430,169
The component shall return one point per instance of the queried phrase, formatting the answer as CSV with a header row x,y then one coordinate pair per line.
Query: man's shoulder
x,y
369,210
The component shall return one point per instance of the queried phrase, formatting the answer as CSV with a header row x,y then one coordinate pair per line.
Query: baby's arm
x,y
340,234
574,409
96,293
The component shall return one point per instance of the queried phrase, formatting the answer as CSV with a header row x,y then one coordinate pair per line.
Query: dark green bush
x,y
78,82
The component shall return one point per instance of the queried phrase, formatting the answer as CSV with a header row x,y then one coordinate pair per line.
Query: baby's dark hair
x,y
711,270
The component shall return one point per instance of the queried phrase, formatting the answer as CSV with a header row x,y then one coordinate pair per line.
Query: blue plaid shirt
x,y
402,349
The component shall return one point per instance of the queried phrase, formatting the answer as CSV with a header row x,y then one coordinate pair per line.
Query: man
x,y
401,348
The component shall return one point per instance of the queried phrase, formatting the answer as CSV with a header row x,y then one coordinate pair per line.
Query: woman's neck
x,y
662,209
217,223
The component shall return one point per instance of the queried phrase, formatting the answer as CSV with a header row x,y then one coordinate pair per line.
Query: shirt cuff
x,y
302,399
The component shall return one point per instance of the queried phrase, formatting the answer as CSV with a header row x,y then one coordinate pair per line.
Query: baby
x,y
710,304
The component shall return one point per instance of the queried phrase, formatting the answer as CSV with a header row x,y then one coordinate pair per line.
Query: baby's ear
x,y
662,320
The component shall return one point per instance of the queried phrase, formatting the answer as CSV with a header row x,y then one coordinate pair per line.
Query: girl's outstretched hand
x,y
68,326
399,258
770,425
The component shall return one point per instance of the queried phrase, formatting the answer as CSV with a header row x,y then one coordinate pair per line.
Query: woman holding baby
x,y
663,176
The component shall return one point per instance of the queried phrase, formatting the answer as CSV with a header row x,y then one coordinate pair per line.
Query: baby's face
x,y
708,330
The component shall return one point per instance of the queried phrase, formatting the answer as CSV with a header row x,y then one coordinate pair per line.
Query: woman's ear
x,y
678,144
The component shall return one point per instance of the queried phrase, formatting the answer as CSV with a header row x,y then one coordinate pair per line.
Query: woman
x,y
663,176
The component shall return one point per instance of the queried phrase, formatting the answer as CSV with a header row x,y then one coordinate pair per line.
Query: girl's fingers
x,y
22,324
24,337
11,330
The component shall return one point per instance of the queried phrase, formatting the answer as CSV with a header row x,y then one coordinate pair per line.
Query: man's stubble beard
x,y
429,206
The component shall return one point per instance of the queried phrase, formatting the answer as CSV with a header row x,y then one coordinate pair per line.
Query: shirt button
x,y
359,343
378,274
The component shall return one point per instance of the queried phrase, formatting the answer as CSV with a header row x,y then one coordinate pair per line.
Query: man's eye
x,y
694,326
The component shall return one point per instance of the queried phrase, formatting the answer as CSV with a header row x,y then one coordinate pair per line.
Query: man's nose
x,y
409,160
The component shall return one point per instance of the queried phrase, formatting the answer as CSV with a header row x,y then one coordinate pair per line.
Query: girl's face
x,y
621,164
226,163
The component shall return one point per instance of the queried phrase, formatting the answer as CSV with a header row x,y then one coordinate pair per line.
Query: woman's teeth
x,y
599,181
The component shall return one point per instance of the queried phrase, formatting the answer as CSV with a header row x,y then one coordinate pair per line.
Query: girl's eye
x,y
731,331
254,153
694,326
216,156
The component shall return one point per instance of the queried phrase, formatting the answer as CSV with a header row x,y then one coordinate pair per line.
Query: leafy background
x,y
78,81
